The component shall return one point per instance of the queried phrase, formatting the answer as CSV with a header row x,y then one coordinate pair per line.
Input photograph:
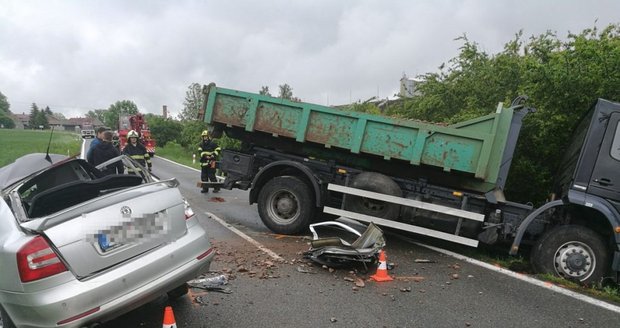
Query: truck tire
x,y
376,182
572,252
286,205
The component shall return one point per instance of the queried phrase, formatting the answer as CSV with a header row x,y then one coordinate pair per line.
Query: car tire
x,y
5,321
178,292
572,252
286,205
375,182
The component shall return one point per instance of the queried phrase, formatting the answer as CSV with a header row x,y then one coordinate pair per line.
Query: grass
x,y
15,143
175,152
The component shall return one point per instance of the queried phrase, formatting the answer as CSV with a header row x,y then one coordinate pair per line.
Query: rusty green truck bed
x,y
473,147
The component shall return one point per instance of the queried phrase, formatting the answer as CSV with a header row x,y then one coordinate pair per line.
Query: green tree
x,y
562,77
121,107
193,102
190,136
48,111
98,114
6,119
286,92
163,130
4,105
34,117
264,90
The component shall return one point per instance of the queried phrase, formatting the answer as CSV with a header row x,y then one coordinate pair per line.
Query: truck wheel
x,y
376,182
572,252
285,205
5,321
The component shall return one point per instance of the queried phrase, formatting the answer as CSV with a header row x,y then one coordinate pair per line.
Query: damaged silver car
x,y
79,247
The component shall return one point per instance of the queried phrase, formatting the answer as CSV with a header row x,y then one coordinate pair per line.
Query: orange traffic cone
x,y
382,274
169,321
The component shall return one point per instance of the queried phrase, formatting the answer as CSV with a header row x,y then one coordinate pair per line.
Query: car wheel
x,y
375,182
178,292
5,321
286,205
572,252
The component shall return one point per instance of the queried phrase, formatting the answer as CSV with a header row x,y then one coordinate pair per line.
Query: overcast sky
x,y
75,56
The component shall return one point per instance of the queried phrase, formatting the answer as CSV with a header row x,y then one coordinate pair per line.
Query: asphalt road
x,y
266,293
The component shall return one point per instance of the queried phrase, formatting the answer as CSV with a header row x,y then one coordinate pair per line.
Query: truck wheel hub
x,y
574,260
283,207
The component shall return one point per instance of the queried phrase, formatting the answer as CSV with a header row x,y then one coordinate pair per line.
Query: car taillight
x,y
188,211
37,260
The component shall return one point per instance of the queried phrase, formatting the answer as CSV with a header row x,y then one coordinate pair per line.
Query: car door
x,y
605,180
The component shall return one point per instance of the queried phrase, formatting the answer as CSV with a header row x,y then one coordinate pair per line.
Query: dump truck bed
x,y
474,147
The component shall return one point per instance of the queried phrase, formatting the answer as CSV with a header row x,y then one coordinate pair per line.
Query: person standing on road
x,y
136,150
208,150
96,141
105,151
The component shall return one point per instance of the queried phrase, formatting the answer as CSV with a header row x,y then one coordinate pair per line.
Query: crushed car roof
x,y
25,166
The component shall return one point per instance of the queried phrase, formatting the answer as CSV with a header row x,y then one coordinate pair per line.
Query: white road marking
x,y
185,166
246,237
528,279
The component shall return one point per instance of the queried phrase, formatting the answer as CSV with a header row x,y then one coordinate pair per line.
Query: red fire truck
x,y
138,123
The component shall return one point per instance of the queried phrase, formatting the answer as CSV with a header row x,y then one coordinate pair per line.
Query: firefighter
x,y
136,150
208,150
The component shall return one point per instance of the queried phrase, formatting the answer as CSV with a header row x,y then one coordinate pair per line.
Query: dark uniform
x,y
103,152
208,150
138,153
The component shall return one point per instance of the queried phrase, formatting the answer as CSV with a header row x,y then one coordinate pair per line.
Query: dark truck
x,y
304,162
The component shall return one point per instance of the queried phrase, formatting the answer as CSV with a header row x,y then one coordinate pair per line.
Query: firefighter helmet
x,y
132,134
205,133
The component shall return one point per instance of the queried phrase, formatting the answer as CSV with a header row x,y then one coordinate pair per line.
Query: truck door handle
x,y
604,182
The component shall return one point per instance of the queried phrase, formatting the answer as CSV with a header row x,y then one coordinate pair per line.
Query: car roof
x,y
25,166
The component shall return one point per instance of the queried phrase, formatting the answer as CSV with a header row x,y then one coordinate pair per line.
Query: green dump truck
x,y
304,162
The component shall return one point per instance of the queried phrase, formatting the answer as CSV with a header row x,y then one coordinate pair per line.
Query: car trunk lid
x,y
104,237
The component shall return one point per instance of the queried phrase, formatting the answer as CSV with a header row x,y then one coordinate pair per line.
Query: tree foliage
x,y
98,114
286,92
111,116
194,100
163,130
38,118
562,78
264,90
5,114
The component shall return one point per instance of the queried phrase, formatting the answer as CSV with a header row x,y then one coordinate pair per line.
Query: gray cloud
x,y
81,55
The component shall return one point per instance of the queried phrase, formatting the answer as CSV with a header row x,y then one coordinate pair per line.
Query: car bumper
x,y
117,291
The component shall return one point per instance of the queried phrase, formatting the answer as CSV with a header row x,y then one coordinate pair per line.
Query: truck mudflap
x,y
457,213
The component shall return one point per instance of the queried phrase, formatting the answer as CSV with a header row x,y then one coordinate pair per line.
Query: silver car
x,y
78,247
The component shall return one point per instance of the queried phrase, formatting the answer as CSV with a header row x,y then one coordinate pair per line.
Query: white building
x,y
408,86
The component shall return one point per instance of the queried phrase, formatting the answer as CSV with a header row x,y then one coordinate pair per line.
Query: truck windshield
x,y
571,156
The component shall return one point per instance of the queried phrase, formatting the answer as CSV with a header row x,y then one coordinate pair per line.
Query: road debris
x,y
217,200
360,283
410,278
332,319
336,252
302,270
215,284
406,289
424,261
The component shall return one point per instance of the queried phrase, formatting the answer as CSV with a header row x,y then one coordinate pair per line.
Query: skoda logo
x,y
125,210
